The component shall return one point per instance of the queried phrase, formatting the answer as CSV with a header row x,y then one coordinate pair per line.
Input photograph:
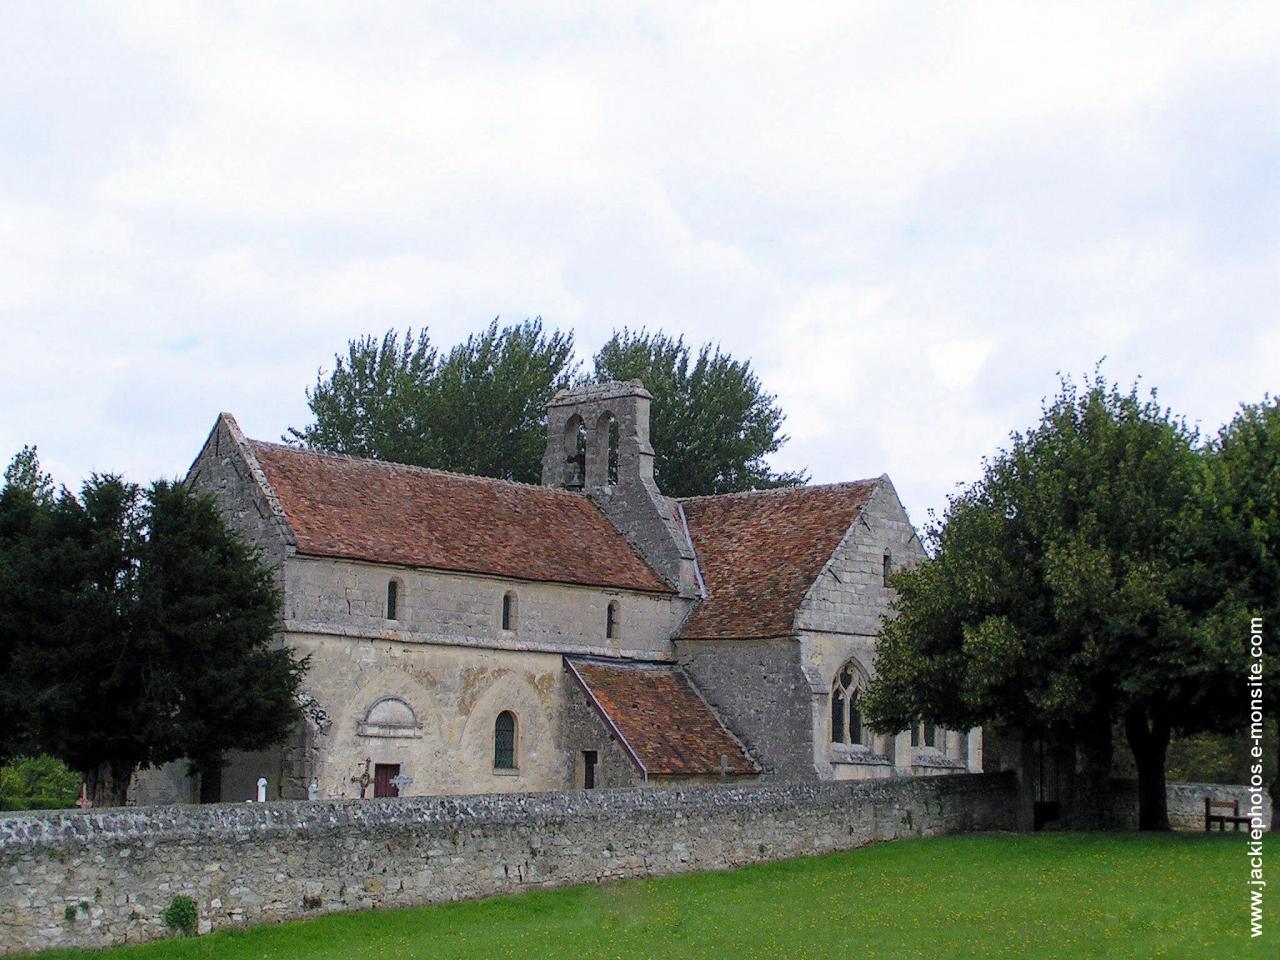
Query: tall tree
x,y
25,497
25,473
376,402
1056,597
490,397
713,425
210,607
91,677
479,409
1237,539
139,630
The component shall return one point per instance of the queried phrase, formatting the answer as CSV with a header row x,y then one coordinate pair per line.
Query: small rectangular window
x,y
393,597
915,735
930,735
589,760
611,621
506,612
888,568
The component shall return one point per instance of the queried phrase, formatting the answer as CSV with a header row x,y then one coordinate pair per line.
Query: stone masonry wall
x,y
760,692
345,598
105,877
1186,803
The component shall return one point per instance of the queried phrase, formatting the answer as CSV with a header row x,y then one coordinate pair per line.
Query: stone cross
x,y
364,779
400,781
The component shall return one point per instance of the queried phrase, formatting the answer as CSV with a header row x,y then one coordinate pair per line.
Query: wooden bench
x,y
1222,819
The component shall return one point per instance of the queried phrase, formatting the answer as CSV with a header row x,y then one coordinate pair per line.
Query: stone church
x,y
470,635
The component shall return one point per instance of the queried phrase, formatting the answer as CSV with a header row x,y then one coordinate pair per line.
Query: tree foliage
x,y
712,426
1238,531
139,631
1060,596
41,782
479,409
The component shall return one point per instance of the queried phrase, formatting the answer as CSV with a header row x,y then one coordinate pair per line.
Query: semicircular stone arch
x,y
537,760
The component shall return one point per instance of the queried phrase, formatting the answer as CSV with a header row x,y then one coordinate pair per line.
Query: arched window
x,y
393,599
604,453
926,733
509,610
612,625
846,718
504,741
575,452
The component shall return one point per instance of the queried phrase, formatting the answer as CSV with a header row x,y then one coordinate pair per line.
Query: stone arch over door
x,y
353,738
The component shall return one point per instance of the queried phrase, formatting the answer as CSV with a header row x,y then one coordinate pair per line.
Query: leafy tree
x,y
21,586
1057,597
139,631
25,473
90,678
713,425
1238,530
38,783
210,608
376,402
490,399
480,409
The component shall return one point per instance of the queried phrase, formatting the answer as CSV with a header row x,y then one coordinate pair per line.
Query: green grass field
x,y
1048,896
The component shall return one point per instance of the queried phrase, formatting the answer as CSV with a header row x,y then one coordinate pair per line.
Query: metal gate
x,y
1047,806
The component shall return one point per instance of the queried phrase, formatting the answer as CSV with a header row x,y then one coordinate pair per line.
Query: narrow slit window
x,y
611,621
393,600
508,611
888,569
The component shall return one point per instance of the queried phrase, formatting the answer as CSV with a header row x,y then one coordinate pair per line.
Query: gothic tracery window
x,y
846,718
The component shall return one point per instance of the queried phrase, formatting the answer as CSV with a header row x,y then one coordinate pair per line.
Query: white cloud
x,y
910,217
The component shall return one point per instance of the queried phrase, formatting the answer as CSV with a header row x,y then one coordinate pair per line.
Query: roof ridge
x,y
784,490
415,468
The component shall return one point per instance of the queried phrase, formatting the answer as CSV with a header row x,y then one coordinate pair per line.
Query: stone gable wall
x,y
761,694
850,596
252,863
224,470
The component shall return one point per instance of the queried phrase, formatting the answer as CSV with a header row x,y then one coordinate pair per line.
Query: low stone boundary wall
x,y
1186,803
105,877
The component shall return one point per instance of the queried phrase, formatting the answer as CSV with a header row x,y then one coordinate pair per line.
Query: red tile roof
x,y
409,516
666,726
760,552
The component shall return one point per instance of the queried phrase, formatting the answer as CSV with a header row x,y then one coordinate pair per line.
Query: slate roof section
x,y
759,553
354,509
661,719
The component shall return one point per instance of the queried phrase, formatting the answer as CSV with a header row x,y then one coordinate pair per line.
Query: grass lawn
x,y
1048,896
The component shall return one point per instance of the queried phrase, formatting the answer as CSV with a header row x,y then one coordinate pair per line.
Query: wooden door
x,y
383,774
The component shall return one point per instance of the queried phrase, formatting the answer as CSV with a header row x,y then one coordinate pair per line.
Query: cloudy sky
x,y
909,217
